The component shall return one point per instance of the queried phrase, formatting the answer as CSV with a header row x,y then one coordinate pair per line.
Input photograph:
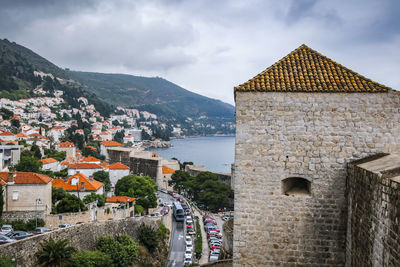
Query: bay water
x,y
216,153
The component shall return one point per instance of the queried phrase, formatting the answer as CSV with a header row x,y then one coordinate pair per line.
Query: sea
x,y
216,153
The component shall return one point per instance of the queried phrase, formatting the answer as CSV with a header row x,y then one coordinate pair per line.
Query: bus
x,y
179,213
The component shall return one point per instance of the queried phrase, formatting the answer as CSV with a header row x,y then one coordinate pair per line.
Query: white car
x,y
5,229
189,242
188,261
189,219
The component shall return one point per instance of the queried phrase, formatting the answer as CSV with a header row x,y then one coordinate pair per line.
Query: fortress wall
x,y
373,232
308,135
81,237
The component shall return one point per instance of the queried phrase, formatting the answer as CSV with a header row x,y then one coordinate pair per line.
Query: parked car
x,y
188,261
213,258
64,225
215,247
18,235
41,230
188,241
5,239
6,228
215,252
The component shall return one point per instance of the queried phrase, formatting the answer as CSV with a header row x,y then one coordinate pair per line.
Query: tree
x,y
119,136
57,193
15,123
123,250
55,253
57,155
115,122
92,197
29,164
92,259
70,203
177,180
148,237
103,177
36,151
143,188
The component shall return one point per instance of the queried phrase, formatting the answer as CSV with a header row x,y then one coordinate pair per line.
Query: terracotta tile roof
x,y
65,144
89,183
6,134
85,166
90,159
35,134
110,143
26,178
306,70
104,164
21,135
64,163
48,160
120,199
167,170
153,154
118,166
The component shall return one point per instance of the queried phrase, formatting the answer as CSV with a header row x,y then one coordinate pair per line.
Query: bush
x,y
123,251
199,241
6,261
92,197
163,232
138,209
92,259
20,225
70,203
148,237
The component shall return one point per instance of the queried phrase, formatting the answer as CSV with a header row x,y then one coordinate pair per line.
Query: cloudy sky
x,y
206,46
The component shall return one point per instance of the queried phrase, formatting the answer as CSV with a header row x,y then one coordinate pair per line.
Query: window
x,y
296,186
15,195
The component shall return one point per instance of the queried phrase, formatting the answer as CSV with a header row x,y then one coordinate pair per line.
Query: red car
x,y
189,227
214,247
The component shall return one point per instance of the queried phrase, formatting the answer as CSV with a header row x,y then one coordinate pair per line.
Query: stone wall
x,y
312,136
22,215
373,195
81,237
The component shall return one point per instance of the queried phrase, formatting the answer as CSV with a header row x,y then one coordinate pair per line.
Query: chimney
x,y
11,176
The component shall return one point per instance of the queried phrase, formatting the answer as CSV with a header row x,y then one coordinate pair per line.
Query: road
x,y
177,249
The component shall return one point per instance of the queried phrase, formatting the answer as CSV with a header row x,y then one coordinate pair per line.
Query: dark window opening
x,y
296,186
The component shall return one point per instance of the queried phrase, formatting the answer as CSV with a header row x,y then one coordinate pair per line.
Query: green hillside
x,y
155,95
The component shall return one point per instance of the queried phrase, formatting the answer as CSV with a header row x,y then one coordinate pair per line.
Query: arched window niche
x,y
296,186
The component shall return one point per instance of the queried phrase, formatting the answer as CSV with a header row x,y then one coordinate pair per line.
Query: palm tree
x,y
55,253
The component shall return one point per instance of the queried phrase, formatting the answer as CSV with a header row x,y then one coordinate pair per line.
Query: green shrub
x,y
92,259
199,241
148,237
6,261
163,232
123,251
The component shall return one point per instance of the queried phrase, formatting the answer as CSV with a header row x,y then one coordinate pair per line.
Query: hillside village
x,y
46,145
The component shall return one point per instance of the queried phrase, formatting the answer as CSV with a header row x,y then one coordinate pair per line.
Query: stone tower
x,y
298,123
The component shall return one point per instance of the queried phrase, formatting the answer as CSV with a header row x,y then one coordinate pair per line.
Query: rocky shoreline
x,y
156,144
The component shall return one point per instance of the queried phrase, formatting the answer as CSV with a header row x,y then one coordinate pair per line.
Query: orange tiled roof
x,y
48,160
89,183
26,178
66,144
35,134
85,166
92,148
153,154
64,162
167,170
6,134
120,199
90,159
21,135
110,143
306,70
118,166
104,164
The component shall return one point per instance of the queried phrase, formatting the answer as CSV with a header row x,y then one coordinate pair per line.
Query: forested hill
x,y
155,95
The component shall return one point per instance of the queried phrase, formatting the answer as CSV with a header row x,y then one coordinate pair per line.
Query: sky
x,y
206,46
